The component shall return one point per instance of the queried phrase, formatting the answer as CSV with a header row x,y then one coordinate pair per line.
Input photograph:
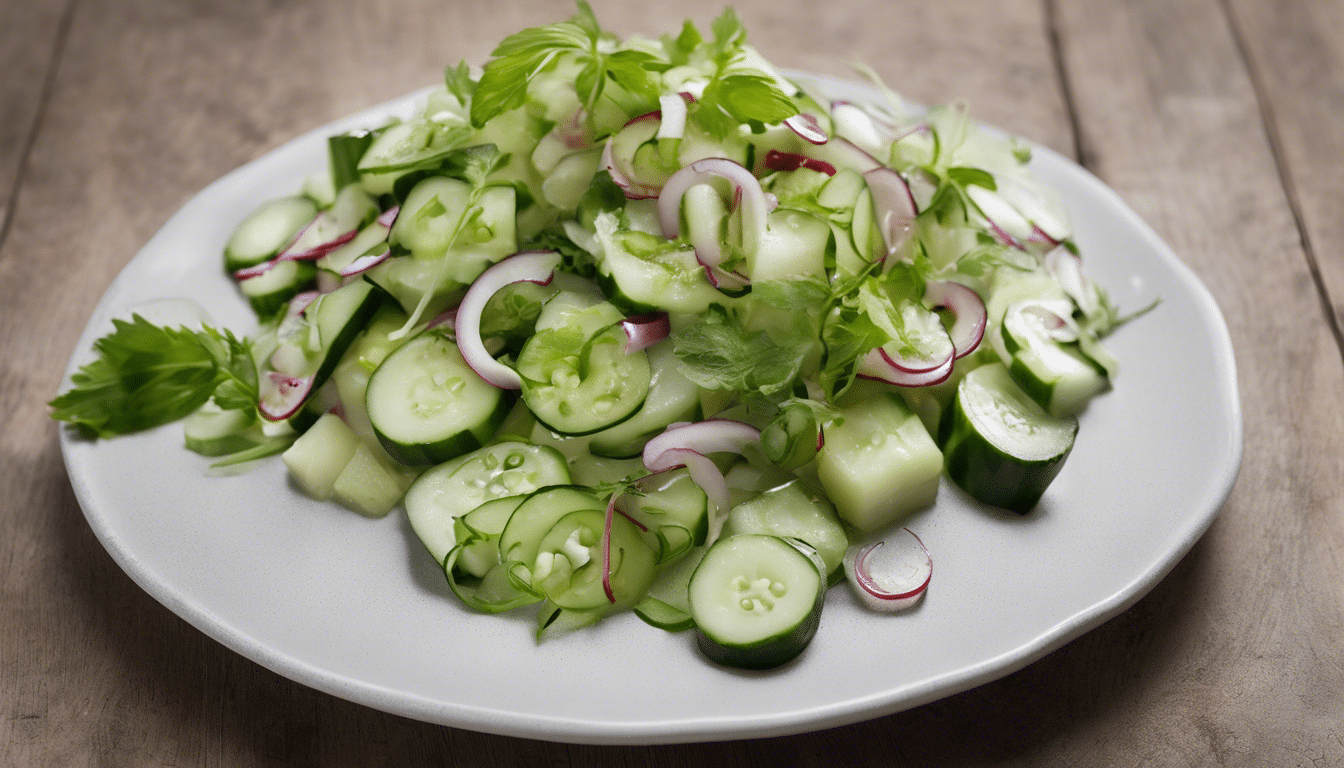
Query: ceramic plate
x,y
355,607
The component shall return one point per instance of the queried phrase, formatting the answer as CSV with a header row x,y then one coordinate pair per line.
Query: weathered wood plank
x,y
1170,117
1297,52
30,35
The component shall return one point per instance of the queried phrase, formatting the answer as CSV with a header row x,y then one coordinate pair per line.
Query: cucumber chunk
x,y
880,464
1001,447
318,457
790,511
369,484
756,601
427,405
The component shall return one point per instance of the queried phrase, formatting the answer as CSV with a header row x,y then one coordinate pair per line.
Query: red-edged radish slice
x,y
807,127
856,125
324,246
1009,226
748,199
281,396
792,161
364,263
257,270
389,217
969,327
530,267
643,331
891,574
1046,222
894,205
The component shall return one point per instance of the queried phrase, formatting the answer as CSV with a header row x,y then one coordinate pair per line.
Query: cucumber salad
x,y
645,324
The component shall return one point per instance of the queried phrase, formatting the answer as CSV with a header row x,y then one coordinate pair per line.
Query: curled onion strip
x,y
529,266
643,331
748,199
894,205
906,556
969,327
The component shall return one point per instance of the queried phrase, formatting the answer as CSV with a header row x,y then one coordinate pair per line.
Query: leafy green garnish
x,y
525,55
459,83
717,353
146,375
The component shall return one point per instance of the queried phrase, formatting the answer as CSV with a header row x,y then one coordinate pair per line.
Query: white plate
x,y
355,608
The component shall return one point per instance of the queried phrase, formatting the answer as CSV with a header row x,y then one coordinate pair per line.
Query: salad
x,y
644,324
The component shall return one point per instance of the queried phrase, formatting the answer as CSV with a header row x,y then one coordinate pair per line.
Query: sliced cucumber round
x,y
791,511
577,384
1000,446
756,600
427,405
266,230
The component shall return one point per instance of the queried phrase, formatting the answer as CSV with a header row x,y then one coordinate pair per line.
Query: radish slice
x,y
807,127
894,205
529,266
792,161
969,328
856,125
389,217
643,331
673,109
281,396
1068,270
254,271
748,198
891,574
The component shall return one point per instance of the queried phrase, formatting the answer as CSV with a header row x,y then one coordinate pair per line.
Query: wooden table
x,y
1219,121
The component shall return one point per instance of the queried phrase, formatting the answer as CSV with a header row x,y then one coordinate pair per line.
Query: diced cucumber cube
x,y
317,458
369,485
880,464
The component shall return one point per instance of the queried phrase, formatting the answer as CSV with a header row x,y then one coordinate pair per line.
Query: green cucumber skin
x,y
359,320
449,447
988,474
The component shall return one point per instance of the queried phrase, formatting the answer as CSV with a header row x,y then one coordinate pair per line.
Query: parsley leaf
x,y
459,83
146,375
717,353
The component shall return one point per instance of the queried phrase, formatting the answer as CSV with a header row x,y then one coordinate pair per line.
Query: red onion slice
x,y
969,327
807,127
891,574
389,217
281,396
247,273
606,548
447,318
632,189
643,331
687,445
529,266
321,249
792,161
366,262
878,365
748,198
672,109
894,205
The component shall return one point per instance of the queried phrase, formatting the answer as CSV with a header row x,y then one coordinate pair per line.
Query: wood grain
x,y
1218,124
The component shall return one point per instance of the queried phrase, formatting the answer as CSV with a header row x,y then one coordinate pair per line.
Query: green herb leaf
x,y
967,177
459,83
146,375
717,353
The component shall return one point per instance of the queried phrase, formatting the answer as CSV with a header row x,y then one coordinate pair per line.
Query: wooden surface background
x,y
1220,121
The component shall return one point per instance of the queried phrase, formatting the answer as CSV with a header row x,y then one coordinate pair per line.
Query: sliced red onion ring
x,y
529,266
673,115
632,189
878,365
389,217
891,574
606,548
807,127
969,327
321,249
257,270
366,262
748,198
792,161
447,318
687,445
281,396
643,331
894,205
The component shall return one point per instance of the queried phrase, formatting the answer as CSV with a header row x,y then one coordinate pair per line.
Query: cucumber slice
x,y
266,230
522,538
458,486
478,534
214,432
657,613
568,567
756,601
674,510
269,292
880,464
1055,374
672,397
369,484
1001,447
577,384
426,404
640,272
789,511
